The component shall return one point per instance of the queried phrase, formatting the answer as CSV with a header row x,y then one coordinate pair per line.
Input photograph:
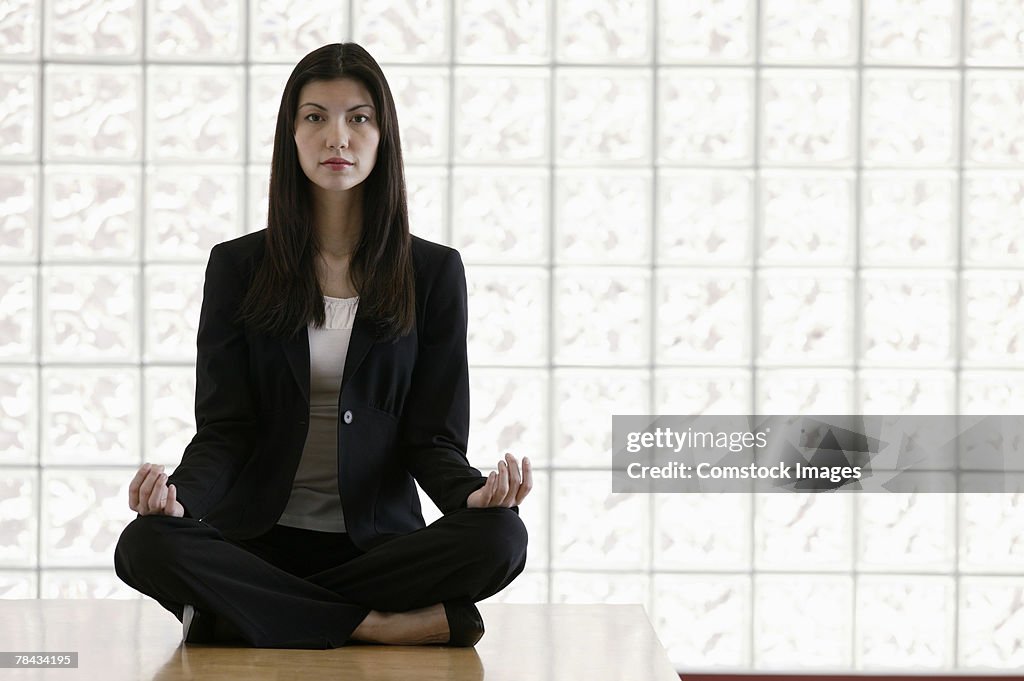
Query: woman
x,y
331,372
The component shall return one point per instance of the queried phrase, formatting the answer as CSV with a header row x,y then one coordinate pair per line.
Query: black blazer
x,y
403,408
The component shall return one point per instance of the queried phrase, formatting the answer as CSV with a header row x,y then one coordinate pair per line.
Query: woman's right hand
x,y
149,494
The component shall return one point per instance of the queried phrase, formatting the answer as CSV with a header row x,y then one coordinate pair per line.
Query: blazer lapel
x,y
296,349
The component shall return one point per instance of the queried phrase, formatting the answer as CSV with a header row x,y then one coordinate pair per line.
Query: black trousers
x,y
295,588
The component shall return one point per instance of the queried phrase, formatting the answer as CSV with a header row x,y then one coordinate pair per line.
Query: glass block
x,y
601,218
814,31
20,27
92,113
179,31
421,101
603,31
85,584
705,217
808,117
600,587
993,314
19,213
509,414
501,115
20,93
805,391
528,587
702,391
908,219
991,623
18,584
403,31
705,116
194,113
169,424
502,31
991,532
910,117
702,531
173,299
703,620
89,313
84,512
993,229
805,316
90,416
104,29
500,215
190,209
426,189
710,31
600,315
905,622
593,526
702,316
90,213
19,497
802,621
907,317
895,391
285,32
803,531
258,205
535,514
17,309
508,315
266,89
993,33
585,401
428,508
994,129
912,32
603,116
991,392
906,532
807,219
19,415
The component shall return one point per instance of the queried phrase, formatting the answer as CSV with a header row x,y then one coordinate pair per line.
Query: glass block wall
x,y
664,207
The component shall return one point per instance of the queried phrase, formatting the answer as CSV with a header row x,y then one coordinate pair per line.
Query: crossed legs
x,y
269,593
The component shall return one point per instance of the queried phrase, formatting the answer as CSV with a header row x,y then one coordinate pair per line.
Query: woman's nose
x,y
340,138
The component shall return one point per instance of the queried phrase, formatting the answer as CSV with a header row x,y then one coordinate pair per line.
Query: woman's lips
x,y
338,166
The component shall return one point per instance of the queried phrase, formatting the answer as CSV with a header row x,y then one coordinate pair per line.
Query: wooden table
x,y
137,640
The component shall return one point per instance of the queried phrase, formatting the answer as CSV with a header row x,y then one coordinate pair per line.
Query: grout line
x,y
958,336
855,501
552,313
37,316
755,324
141,241
652,297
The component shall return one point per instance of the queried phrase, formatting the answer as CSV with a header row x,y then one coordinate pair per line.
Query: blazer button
x,y
348,416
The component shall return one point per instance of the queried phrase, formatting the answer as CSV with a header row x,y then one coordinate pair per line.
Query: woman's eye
x,y
312,114
362,116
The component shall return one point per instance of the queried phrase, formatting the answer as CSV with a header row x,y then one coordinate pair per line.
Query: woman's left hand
x,y
507,487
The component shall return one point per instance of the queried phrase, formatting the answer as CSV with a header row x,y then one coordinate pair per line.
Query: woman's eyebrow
x,y
324,108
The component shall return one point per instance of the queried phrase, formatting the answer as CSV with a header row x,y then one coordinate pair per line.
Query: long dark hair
x,y
285,295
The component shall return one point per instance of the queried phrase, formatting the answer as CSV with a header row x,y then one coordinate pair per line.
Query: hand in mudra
x,y
507,487
149,494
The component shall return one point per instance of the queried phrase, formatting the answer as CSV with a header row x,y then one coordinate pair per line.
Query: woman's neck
x,y
338,219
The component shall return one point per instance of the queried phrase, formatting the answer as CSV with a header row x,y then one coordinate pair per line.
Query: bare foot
x,y
411,628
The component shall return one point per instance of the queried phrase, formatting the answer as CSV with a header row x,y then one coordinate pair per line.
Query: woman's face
x,y
336,119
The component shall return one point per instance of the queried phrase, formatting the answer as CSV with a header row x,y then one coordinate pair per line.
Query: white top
x,y
315,501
